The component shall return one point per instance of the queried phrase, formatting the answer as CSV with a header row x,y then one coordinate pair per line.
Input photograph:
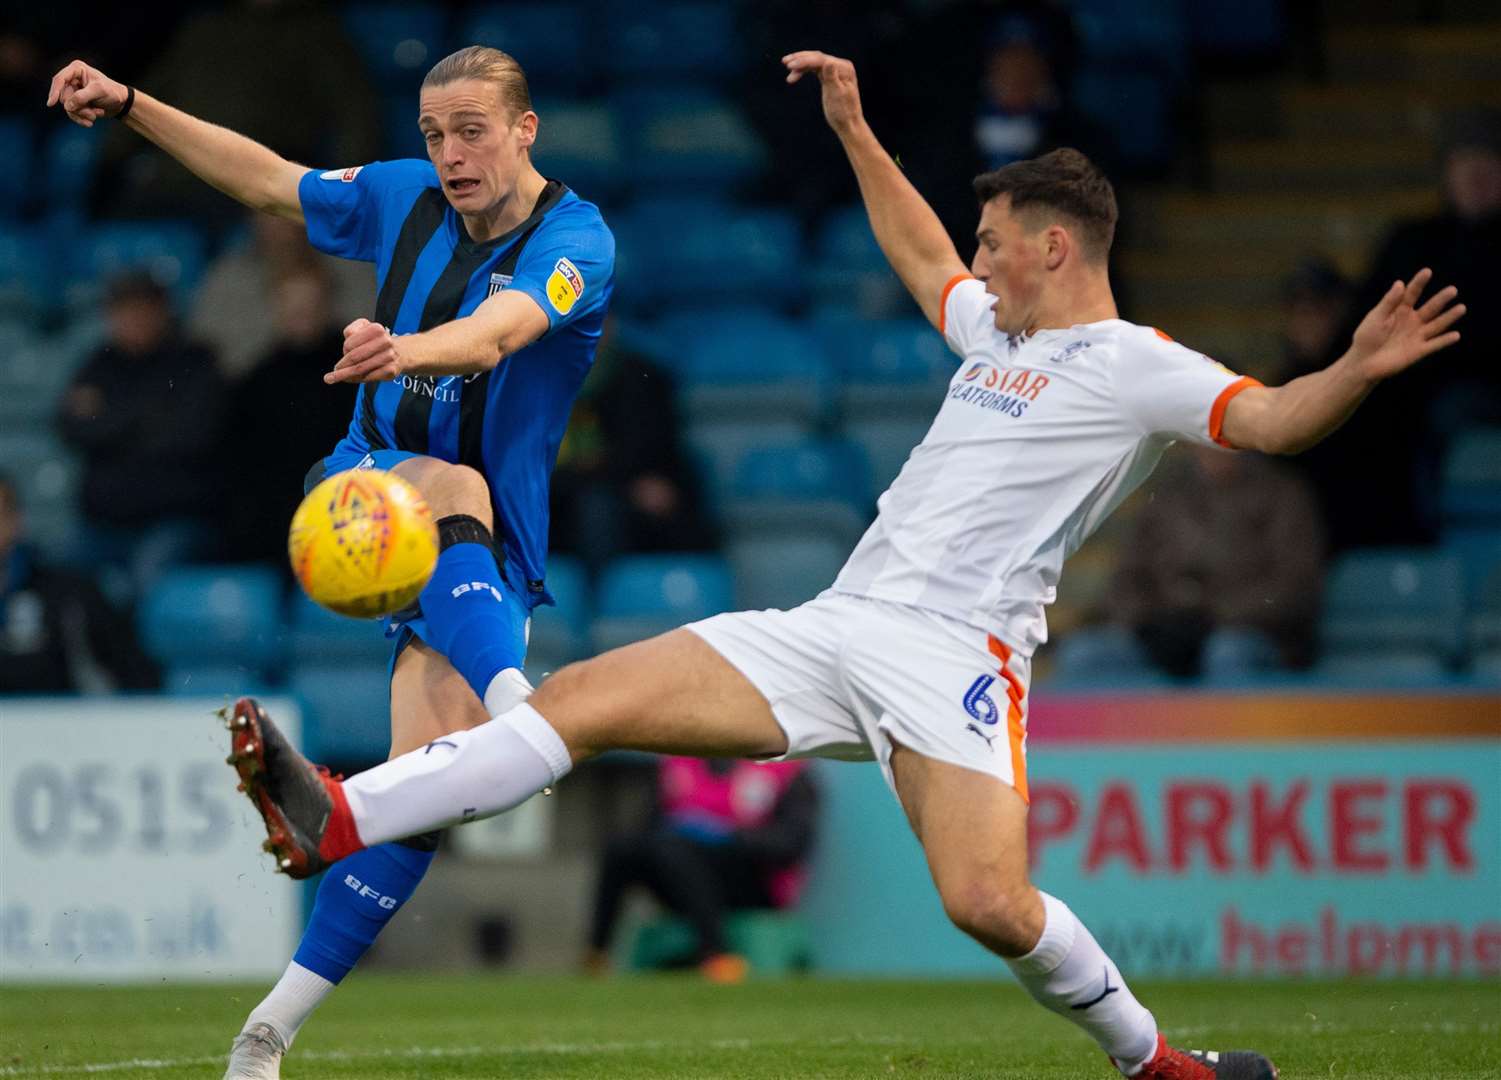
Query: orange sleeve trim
x,y
1221,403
1164,337
943,300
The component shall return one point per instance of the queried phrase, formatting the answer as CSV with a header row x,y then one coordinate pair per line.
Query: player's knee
x,y
998,914
450,489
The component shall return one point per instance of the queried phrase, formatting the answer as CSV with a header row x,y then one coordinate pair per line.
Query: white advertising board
x,y
125,851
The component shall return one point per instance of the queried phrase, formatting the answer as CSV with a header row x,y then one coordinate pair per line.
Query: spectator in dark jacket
x,y
730,835
284,418
622,483
146,411
57,632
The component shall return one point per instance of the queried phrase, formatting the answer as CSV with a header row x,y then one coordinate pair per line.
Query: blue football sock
x,y
356,898
469,616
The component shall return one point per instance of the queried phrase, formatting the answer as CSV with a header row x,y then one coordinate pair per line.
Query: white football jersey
x,y
1039,438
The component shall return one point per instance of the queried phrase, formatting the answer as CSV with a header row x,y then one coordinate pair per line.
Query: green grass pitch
x,y
392,1025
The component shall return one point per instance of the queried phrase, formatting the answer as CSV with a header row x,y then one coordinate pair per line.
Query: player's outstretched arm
x,y
241,168
912,238
503,324
1393,336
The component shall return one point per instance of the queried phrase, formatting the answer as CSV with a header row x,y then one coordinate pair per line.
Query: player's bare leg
x,y
973,829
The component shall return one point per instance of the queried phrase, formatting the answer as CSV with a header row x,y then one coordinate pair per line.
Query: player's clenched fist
x,y
86,93
369,355
841,93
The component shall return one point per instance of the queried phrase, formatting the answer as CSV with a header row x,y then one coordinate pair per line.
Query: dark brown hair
x,y
1065,182
483,62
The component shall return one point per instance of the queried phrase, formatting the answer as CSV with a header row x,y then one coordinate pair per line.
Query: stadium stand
x,y
643,595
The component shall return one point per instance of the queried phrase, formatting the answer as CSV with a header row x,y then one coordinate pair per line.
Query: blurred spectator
x,y
146,412
1379,474
1022,110
283,417
57,632
1221,577
239,287
314,104
731,835
622,483
1316,305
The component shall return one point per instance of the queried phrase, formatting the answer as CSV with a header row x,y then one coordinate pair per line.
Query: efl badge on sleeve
x,y
565,286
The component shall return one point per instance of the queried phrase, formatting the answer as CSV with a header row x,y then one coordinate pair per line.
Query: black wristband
x,y
130,99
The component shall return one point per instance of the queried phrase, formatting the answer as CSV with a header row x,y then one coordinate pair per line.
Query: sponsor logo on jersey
x,y
345,175
1004,390
1068,352
565,287
498,282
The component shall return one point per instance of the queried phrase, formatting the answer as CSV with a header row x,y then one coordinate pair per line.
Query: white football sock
x,y
291,1001
508,689
1067,969
460,777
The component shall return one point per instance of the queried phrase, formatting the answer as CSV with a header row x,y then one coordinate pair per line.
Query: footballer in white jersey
x,y
918,656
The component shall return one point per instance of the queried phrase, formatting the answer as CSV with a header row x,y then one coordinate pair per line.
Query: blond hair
x,y
492,65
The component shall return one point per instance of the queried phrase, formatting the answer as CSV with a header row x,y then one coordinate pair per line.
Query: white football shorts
x,y
849,677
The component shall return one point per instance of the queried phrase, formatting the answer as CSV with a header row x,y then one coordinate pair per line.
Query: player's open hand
x,y
841,93
1396,333
86,93
370,355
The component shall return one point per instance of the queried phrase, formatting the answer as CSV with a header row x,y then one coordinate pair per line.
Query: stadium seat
x,y
643,278
773,942
551,41
398,41
69,156
687,141
560,633
815,489
225,682
755,366
888,441
718,253
346,713
671,338
27,273
1380,669
220,616
695,41
643,595
1397,600
1105,96
172,252
579,143
849,270
401,135
783,572
318,636
17,166
719,444
894,368
1485,623
1129,33
47,475
1471,482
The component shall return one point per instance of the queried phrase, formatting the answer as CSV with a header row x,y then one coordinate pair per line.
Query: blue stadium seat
x,y
643,279
1380,669
68,159
550,41
752,366
1136,107
888,441
398,41
1396,600
1485,624
720,443
696,41
318,636
687,141
783,571
579,143
643,595
817,489
346,713
893,368
561,633
401,135
17,167
226,682
1134,34
215,616
27,273
730,254
47,475
172,252
1471,483
849,270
